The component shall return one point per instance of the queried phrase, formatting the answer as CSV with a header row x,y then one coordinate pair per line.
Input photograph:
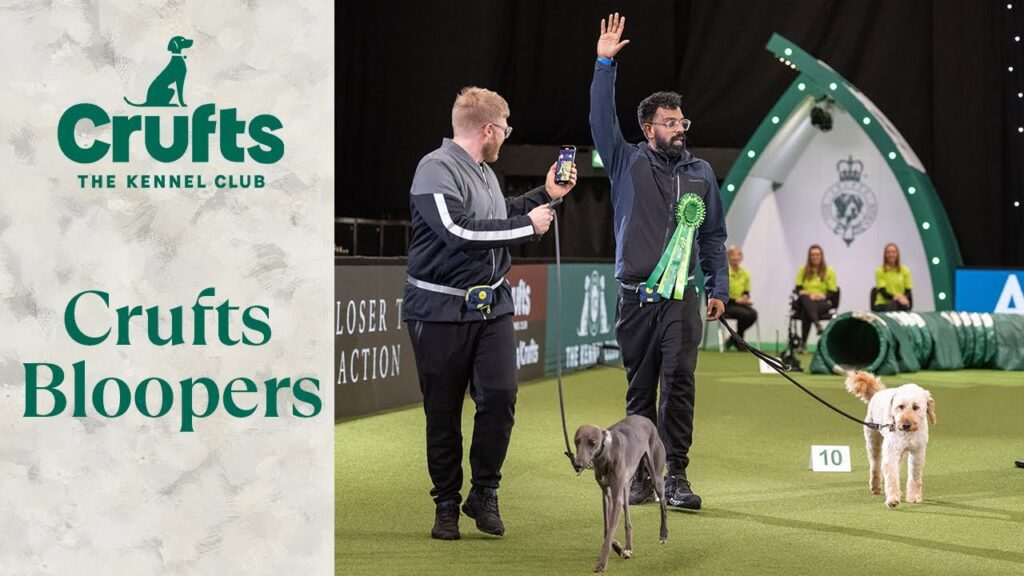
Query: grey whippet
x,y
615,454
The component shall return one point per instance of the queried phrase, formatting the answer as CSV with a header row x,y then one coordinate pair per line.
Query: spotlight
x,y
820,115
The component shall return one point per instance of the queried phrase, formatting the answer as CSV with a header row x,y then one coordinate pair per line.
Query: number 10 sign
x,y
830,458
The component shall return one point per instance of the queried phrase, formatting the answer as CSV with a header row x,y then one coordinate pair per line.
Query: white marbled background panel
x,y
133,495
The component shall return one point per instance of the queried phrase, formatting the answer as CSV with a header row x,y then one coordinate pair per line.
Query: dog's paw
x,y
914,498
617,547
627,553
599,567
875,485
892,503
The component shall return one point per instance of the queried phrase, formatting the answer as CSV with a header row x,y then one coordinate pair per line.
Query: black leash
x,y
777,364
558,337
782,368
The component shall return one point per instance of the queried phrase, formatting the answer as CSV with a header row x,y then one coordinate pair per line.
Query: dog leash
x,y
775,363
782,368
558,338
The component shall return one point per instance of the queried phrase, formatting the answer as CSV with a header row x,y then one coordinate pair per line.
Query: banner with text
x,y
374,364
529,292
589,296
997,291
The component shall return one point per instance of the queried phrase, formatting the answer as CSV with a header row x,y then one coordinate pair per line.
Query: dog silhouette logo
x,y
594,315
171,80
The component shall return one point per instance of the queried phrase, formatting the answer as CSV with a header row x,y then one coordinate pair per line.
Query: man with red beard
x,y
459,307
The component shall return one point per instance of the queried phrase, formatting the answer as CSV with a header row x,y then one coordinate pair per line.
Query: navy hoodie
x,y
645,188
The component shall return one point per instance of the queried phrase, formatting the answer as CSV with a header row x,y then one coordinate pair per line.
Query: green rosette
x,y
690,211
670,273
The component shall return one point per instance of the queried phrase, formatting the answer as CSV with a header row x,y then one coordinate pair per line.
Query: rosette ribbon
x,y
670,274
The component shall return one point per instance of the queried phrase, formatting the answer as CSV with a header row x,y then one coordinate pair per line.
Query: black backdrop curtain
x,y
938,69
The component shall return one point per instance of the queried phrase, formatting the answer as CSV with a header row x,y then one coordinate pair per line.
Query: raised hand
x,y
610,41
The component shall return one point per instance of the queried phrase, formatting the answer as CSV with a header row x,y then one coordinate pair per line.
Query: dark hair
x,y
649,106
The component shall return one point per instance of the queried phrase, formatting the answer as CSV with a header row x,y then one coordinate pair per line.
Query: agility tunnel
x,y
894,342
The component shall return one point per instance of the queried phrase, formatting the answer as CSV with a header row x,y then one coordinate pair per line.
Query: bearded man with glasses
x,y
458,305
667,215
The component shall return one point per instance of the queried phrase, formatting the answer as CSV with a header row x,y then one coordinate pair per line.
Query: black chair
x,y
884,307
833,301
794,324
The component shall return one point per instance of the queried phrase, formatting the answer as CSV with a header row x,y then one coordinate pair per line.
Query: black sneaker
x,y
482,506
641,489
679,495
446,521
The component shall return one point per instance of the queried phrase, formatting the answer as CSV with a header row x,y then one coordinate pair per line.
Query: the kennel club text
x,y
171,181
91,319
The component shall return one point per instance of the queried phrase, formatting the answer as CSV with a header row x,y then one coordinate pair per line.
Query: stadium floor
x,y
764,511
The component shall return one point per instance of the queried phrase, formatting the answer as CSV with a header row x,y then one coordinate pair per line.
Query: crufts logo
x,y
167,91
849,206
594,315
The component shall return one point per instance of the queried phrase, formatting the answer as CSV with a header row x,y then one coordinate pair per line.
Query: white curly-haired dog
x,y
908,409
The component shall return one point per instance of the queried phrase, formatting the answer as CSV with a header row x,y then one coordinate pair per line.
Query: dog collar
x,y
605,443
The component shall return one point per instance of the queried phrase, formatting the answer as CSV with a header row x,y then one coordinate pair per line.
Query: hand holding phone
x,y
566,160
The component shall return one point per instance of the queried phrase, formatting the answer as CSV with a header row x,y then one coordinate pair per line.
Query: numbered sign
x,y
830,458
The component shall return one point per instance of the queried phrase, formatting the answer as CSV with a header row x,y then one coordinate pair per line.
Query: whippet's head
x,y
178,43
590,445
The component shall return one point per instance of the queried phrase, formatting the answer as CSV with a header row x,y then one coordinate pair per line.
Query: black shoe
x,y
482,506
679,495
446,521
641,489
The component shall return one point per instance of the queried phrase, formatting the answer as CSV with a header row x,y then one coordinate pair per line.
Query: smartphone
x,y
566,159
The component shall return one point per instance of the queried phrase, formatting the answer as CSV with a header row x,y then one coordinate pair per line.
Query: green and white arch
x,y
775,190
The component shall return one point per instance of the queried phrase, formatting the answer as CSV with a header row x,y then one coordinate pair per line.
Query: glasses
x,y
673,123
507,129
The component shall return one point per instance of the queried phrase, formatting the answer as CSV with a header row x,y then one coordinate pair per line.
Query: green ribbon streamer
x,y
670,273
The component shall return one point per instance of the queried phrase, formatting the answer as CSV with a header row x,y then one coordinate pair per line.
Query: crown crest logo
x,y
850,169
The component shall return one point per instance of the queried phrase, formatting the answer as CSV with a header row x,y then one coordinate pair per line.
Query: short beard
x,y
669,149
490,152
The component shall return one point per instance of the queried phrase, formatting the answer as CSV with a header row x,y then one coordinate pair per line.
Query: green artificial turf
x,y
764,511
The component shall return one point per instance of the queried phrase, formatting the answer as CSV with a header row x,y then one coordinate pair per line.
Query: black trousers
x,y
890,306
659,342
450,357
744,314
810,311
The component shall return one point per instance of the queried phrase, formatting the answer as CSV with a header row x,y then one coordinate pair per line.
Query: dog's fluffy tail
x,y
863,385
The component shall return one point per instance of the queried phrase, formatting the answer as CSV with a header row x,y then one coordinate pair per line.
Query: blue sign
x,y
990,291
